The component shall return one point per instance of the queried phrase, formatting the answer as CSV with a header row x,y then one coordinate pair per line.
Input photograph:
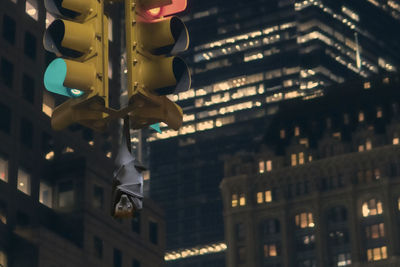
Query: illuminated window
x,y
368,144
3,259
375,231
3,169
386,80
234,200
361,116
242,200
342,259
371,208
261,166
301,158
3,214
282,134
294,159
46,194
31,9
48,103
268,164
304,220
395,141
24,182
360,148
110,69
268,196
296,131
367,85
260,197
376,254
379,113
270,250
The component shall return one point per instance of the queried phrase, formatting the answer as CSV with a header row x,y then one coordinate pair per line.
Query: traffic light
x,y
79,37
153,38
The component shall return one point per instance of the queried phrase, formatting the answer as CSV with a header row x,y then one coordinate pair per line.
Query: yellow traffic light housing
x,y
153,71
80,38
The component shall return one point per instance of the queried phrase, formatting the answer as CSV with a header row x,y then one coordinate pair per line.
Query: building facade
x,y
324,189
246,58
55,187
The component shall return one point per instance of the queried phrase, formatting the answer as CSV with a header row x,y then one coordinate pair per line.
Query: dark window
x,y
136,223
22,219
30,45
7,72
5,119
3,212
26,134
98,247
47,143
240,230
135,263
66,194
9,29
28,88
98,197
117,258
153,232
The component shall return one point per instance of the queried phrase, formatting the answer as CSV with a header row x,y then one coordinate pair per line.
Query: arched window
x,y
372,207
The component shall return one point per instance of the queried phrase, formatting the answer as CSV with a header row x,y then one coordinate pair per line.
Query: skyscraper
x,y
245,58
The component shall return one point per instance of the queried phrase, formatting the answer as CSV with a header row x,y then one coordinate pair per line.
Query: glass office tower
x,y
245,58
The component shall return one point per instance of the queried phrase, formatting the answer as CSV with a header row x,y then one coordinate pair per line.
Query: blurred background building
x,y
245,59
324,190
55,187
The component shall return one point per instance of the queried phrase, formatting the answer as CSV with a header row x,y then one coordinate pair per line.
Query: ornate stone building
x,y
324,190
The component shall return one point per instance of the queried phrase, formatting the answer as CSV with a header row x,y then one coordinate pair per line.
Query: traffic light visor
x,y
72,9
55,76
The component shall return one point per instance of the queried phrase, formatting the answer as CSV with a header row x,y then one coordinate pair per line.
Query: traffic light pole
x,y
127,133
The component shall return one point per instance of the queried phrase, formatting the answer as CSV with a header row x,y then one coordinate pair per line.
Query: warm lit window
x,y
398,203
371,208
360,148
268,196
379,113
361,116
296,131
342,259
260,197
3,259
3,169
110,69
375,231
301,158
294,159
49,19
242,200
395,141
282,134
31,9
377,174
367,85
268,164
261,166
270,250
46,195
24,182
304,220
368,144
48,104
376,254
234,200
